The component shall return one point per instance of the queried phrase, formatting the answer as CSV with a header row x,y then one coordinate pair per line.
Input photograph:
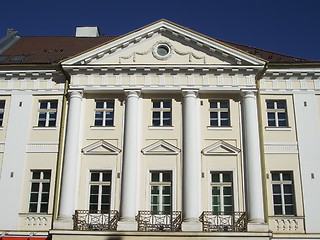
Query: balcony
x,y
85,220
223,222
159,221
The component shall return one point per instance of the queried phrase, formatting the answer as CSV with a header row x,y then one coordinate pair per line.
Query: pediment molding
x,y
101,147
165,27
160,147
221,148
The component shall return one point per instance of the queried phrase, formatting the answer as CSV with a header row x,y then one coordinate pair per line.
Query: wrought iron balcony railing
x,y
95,220
223,221
159,221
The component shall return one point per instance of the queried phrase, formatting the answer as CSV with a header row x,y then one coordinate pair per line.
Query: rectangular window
x,y
100,191
47,113
2,105
277,113
161,112
219,113
161,191
104,113
283,193
222,192
40,189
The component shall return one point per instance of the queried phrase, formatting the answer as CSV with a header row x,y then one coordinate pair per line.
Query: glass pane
x,y
166,177
44,207
216,200
93,198
2,104
166,190
99,104
98,122
276,176
288,199
53,104
166,122
36,175
215,177
43,105
35,187
94,189
33,207
287,188
227,190
154,190
95,176
277,199
289,210
46,174
276,188
44,197
227,200
34,197
215,190
226,177
286,176
45,187
213,114
224,104
156,104
110,104
277,210
106,189
228,209
270,104
214,123
213,104
224,115
166,199
167,104
281,104
106,177
155,199
155,177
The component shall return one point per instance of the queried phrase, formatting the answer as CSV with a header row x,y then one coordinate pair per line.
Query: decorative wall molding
x,y
280,148
221,148
160,147
40,147
101,147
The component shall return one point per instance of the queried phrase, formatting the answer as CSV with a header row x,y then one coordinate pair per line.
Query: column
x,y
254,186
70,163
191,164
128,208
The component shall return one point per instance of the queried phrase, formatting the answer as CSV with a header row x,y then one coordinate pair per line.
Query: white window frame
x,y
100,183
281,183
276,112
219,110
104,110
2,111
40,191
47,112
222,184
161,110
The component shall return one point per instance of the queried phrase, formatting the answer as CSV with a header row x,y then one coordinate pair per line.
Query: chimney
x,y
10,31
87,32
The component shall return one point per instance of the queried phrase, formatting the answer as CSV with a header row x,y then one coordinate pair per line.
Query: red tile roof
x,y
53,49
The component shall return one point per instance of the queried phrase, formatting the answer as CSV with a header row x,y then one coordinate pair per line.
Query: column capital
x,y
190,93
132,92
76,93
248,92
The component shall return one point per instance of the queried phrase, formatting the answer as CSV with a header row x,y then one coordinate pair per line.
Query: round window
x,y
163,50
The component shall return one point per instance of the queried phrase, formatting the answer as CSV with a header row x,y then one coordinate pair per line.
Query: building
x,y
159,133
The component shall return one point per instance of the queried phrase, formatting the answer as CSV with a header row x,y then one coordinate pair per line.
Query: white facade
x,y
165,124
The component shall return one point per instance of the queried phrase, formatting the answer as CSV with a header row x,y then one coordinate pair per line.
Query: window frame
x,y
41,181
219,110
104,111
47,111
161,184
276,111
222,185
2,111
161,110
281,182
100,185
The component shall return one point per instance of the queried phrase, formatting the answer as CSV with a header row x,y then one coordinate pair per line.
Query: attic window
x,y
162,51
17,58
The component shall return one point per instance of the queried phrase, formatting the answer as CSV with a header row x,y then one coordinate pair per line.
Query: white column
x,y
254,187
129,189
191,163
70,162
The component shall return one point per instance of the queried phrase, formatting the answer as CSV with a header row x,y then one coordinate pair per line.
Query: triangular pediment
x,y
183,46
101,147
221,148
160,147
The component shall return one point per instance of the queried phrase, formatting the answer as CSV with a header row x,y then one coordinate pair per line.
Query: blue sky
x,y
290,27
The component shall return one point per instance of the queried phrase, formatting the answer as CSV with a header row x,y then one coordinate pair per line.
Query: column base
x,y
127,224
191,225
65,223
257,227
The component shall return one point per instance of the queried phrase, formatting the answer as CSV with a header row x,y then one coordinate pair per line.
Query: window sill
x,y
277,128
220,128
102,127
43,128
160,127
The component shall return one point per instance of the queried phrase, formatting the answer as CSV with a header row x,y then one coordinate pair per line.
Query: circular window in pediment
x,y
162,51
